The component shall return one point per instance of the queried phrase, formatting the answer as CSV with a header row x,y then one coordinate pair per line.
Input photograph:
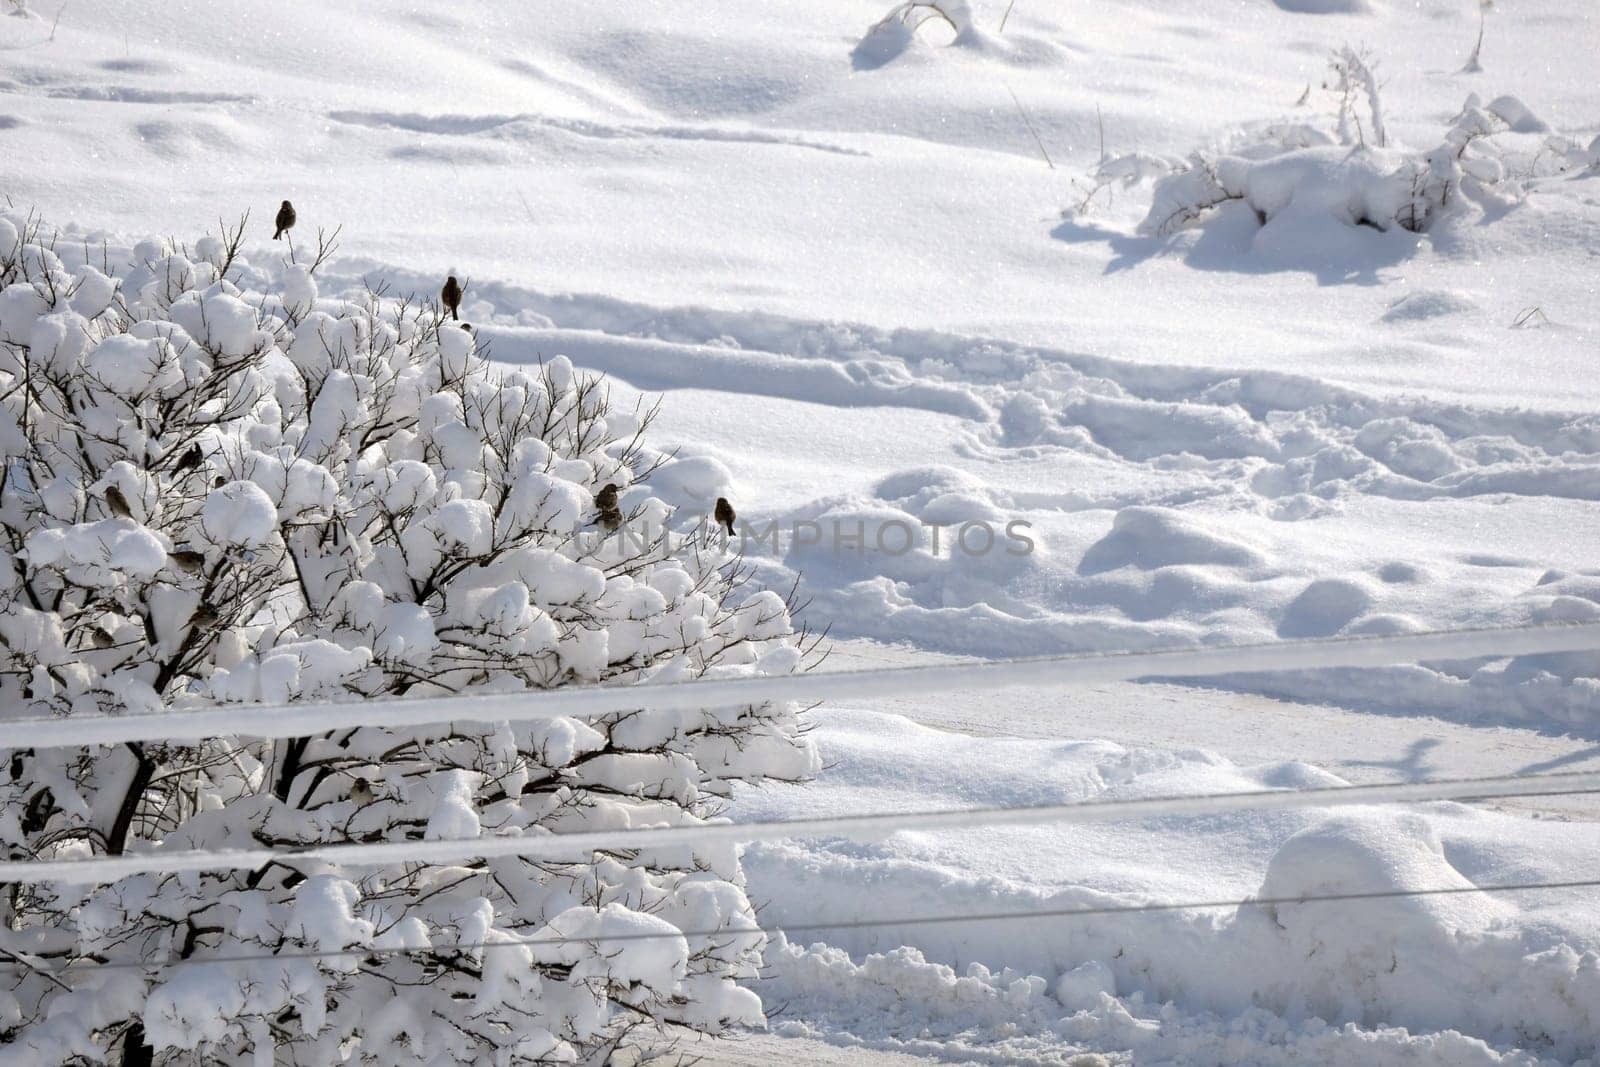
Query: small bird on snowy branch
x,y
285,220
451,295
118,503
188,560
189,460
608,514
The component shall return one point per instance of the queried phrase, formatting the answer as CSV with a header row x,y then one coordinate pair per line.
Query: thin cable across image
x,y
597,701
865,827
18,962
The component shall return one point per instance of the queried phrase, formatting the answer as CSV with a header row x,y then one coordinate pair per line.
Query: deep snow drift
x,y
1326,982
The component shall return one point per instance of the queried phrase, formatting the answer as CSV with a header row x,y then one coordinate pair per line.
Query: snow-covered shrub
x,y
1125,171
1561,155
897,31
1297,177
1353,80
213,495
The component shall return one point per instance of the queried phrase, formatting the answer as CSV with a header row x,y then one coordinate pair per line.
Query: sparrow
x,y
608,514
102,639
205,615
451,295
724,514
187,559
285,220
189,460
361,791
118,503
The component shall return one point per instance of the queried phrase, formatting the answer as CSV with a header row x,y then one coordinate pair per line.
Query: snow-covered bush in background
x,y
212,495
897,31
1355,82
1560,155
1298,178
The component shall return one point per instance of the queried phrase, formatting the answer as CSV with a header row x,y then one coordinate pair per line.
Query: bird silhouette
x,y
187,559
607,513
285,220
724,514
118,503
189,460
451,295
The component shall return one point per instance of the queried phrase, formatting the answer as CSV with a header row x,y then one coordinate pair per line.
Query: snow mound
x,y
1429,304
1082,987
1325,607
1453,978
1372,852
1150,538
1517,115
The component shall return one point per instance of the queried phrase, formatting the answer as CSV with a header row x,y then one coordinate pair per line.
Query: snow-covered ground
x,y
1195,986
866,298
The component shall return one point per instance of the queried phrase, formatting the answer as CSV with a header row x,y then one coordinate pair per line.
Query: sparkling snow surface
x,y
865,299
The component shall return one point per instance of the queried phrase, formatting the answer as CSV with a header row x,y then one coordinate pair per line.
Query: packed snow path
x,y
1165,507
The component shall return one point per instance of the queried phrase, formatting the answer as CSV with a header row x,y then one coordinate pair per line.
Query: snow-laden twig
x,y
1473,65
1353,76
1029,123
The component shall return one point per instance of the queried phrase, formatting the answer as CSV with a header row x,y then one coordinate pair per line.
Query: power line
x,y
576,845
591,702
1100,910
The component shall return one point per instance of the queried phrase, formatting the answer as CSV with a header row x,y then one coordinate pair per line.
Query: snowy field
x,y
891,280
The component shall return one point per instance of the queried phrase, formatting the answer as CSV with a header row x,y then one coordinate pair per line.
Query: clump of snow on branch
x,y
1355,82
897,31
217,489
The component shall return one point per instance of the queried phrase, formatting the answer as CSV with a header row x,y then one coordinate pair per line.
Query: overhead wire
x,y
47,965
194,724
873,826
